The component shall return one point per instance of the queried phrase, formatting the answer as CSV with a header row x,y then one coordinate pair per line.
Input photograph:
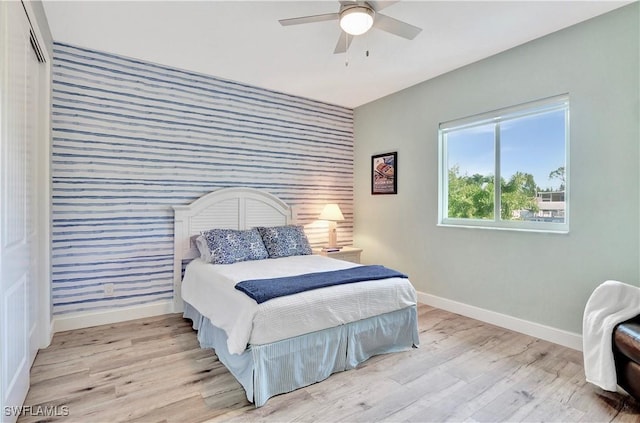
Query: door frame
x,y
33,321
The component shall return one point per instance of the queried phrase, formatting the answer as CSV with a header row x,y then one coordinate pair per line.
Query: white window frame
x,y
560,102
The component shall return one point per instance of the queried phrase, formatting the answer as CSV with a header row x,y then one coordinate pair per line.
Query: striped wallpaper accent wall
x,y
132,138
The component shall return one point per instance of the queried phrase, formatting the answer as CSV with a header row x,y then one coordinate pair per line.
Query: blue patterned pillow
x,y
231,246
285,241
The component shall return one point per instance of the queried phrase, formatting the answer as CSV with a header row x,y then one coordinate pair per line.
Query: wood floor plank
x,y
153,370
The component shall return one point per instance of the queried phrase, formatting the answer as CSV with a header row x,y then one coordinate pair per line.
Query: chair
x,y
626,355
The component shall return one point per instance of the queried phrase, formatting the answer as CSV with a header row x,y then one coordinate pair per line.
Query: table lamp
x,y
332,214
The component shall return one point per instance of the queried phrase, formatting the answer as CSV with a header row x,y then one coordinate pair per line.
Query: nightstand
x,y
346,253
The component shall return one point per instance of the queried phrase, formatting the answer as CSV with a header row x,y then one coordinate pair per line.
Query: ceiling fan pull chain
x,y
346,52
366,50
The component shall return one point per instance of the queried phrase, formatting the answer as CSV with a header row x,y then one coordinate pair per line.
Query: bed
x,y
289,342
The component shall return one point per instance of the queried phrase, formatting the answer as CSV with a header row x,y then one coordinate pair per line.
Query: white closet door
x,y
18,133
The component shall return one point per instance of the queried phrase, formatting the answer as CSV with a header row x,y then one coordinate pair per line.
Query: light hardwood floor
x,y
152,370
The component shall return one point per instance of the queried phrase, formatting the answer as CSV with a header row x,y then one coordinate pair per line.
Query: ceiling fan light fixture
x,y
356,20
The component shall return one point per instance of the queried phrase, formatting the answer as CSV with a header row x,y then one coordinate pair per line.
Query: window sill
x,y
503,228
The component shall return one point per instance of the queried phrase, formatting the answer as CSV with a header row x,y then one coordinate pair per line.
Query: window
x,y
507,169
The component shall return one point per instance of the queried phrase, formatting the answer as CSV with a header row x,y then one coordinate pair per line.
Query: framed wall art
x,y
384,173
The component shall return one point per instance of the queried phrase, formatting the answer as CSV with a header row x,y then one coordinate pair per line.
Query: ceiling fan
x,y
356,18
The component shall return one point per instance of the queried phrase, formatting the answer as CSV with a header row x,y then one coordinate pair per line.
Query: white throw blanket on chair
x,y
610,303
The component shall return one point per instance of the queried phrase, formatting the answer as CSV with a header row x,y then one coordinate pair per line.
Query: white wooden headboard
x,y
227,208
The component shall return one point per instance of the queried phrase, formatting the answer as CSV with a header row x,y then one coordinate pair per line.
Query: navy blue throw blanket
x,y
263,290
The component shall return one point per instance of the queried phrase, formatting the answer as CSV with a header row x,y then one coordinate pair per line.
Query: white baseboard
x,y
548,333
85,320
47,335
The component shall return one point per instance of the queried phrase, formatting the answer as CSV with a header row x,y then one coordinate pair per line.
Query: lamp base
x,y
333,237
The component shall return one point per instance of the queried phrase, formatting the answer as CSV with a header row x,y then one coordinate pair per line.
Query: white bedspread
x,y
610,303
211,290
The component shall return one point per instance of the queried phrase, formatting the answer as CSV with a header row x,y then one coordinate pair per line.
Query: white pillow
x,y
203,247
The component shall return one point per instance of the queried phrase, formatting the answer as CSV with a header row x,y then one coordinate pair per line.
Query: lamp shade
x,y
356,20
331,212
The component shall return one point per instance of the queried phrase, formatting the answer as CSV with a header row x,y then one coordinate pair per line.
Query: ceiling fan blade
x,y
379,5
309,19
343,43
394,26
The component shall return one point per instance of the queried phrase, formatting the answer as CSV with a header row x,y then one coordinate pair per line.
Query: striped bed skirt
x,y
286,365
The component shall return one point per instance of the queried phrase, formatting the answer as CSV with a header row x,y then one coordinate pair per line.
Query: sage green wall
x,y
543,278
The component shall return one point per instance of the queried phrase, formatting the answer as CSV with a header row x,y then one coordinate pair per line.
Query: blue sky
x,y
532,144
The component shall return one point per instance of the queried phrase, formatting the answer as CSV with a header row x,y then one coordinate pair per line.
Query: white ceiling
x,y
243,41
